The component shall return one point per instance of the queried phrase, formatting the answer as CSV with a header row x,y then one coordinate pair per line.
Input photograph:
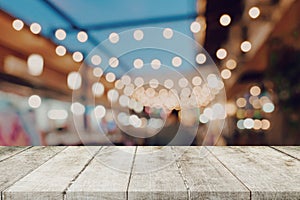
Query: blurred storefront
x,y
131,73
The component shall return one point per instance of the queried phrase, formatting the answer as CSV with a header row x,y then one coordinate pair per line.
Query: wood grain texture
x,y
155,175
207,178
106,177
9,151
50,180
269,174
16,167
150,173
293,151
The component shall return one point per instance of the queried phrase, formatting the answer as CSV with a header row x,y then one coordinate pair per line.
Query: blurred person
x,y
12,132
28,119
166,135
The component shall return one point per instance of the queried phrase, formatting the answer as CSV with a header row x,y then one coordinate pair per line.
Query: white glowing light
x,y
99,111
155,64
264,99
255,90
200,58
77,56
218,111
98,89
97,72
265,124
150,92
35,64
113,95
203,119
110,77
221,54
135,121
196,80
123,118
248,123
176,61
195,27
34,101
153,83
126,80
138,35
240,124
18,24
124,100
35,28
113,62
60,34
241,102
77,108
168,83
139,81
138,63
60,50
119,85
254,12
257,124
132,103
128,90
212,81
226,73
225,20
138,108
183,82
246,46
230,108
96,60
185,92
268,107
155,123
168,33
208,112
74,80
114,38
56,114
82,36
163,92
231,64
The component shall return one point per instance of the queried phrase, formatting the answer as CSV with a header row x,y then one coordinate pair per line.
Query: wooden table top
x,y
111,172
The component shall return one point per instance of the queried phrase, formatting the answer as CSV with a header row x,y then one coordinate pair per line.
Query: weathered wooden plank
x,y
50,180
269,174
106,177
206,177
16,167
293,151
155,175
9,151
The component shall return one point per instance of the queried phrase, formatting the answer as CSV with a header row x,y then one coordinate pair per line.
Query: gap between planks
x,y
15,153
229,170
284,152
268,173
115,164
80,172
133,160
77,157
181,174
26,149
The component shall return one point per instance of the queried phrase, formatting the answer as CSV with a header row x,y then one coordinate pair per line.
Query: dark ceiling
x,y
216,35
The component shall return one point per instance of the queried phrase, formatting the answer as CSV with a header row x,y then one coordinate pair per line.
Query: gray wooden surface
x,y
150,172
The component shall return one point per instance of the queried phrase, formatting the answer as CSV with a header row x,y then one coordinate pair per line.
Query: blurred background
x,y
46,56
